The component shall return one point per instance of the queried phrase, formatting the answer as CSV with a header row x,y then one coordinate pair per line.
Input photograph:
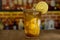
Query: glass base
x,y
31,36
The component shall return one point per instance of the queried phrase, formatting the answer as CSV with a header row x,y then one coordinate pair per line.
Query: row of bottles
x,y
14,25
48,24
17,4
27,4
10,24
53,5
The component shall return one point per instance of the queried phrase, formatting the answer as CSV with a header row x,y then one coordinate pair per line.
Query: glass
x,y
31,24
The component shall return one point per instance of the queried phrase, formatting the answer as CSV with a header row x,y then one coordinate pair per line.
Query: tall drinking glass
x,y
31,23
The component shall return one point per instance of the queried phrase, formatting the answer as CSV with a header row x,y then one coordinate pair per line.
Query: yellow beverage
x,y
31,26
31,19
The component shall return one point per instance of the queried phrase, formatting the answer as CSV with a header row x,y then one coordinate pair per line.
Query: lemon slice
x,y
42,7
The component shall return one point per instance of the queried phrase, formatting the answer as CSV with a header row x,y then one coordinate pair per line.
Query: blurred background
x,y
11,19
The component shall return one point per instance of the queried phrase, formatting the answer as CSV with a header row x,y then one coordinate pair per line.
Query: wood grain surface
x,y
20,35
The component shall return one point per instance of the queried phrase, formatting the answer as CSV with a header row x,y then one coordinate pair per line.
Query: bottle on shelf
x,y
21,25
11,4
1,25
19,4
30,4
5,5
25,4
15,4
14,26
6,25
34,3
53,5
57,6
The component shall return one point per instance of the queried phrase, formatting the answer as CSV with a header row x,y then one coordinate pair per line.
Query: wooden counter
x,y
19,35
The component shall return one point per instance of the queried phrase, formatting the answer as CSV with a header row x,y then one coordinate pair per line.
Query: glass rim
x,y
30,10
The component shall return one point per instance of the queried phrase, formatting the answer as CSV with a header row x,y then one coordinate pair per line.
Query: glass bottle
x,y
1,25
30,4
11,4
25,4
7,5
6,25
53,4
34,3
21,24
15,4
19,3
4,2
14,26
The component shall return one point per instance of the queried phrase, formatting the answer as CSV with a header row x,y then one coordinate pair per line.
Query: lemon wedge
x,y
41,7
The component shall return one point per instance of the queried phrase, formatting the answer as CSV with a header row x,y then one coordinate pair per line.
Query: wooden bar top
x,y
19,35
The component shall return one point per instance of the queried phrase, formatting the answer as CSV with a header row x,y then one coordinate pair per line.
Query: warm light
x,y
7,8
